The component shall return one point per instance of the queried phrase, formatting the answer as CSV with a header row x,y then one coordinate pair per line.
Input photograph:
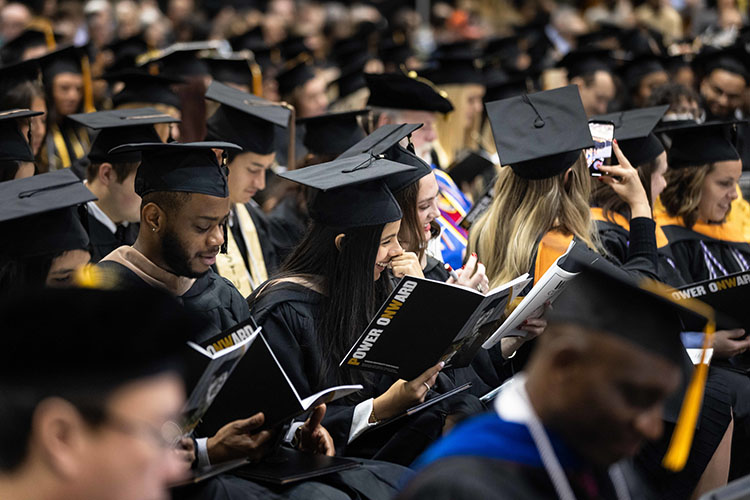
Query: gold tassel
x,y
682,437
88,87
257,79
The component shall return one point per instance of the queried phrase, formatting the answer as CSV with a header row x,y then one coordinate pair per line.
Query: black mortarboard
x,y
503,51
38,215
584,62
65,60
606,300
71,353
470,165
382,139
351,78
295,73
142,87
180,59
13,145
333,133
605,37
456,63
249,40
13,50
695,144
293,46
394,48
346,49
501,85
350,191
733,59
400,181
126,51
540,135
121,126
634,132
244,119
232,69
635,70
176,167
17,73
400,91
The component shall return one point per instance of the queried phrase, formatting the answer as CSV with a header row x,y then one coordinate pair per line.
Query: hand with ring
x,y
472,275
403,395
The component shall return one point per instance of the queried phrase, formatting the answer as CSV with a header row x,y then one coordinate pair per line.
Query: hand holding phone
x,y
602,133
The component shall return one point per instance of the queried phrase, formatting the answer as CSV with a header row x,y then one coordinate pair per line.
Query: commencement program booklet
x,y
547,289
424,321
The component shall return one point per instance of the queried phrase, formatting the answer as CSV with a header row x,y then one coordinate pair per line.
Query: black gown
x,y
716,412
288,225
288,315
104,241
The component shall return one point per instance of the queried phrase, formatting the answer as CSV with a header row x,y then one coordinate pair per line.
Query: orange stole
x,y
723,232
598,214
552,246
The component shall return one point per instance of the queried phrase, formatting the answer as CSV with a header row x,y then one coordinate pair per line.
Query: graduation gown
x,y
705,251
490,457
211,296
103,240
288,225
288,314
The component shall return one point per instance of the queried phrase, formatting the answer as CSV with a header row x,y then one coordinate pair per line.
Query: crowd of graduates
x,y
170,169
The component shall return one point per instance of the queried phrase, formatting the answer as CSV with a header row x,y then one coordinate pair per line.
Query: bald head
x,y
14,18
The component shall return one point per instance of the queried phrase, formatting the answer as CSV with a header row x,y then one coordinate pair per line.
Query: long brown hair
x,y
523,210
410,234
682,196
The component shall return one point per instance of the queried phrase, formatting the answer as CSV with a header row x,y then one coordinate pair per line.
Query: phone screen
x,y
602,133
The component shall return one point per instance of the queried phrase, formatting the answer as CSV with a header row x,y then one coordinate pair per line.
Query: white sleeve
x,y
360,419
202,452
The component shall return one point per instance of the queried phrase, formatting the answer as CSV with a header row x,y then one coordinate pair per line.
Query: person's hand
x,y
727,343
406,263
237,440
624,180
185,450
472,275
313,437
403,395
534,327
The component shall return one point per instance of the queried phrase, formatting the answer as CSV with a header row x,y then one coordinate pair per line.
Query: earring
x,y
153,229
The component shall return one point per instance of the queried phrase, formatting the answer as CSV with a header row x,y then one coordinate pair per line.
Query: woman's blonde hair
x,y
523,211
682,196
454,133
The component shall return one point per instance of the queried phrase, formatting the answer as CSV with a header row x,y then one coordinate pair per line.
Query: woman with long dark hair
x,y
328,290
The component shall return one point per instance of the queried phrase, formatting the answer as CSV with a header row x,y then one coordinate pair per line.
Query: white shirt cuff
x,y
202,452
360,419
289,437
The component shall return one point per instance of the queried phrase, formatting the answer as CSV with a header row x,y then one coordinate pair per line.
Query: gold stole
x,y
61,148
551,246
232,266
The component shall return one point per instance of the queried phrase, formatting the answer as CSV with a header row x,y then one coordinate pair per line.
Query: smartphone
x,y
602,133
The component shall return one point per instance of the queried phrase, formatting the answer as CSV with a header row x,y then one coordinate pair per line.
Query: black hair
x,y
169,201
29,272
671,93
351,297
17,407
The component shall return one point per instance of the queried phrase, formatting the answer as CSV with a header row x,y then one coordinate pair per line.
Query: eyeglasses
x,y
165,437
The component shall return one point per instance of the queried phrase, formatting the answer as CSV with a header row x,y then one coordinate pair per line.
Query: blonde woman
x,y
542,200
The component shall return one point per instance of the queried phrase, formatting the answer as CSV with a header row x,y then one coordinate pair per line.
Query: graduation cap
x,y
634,132
540,135
180,59
346,49
637,69
293,46
606,300
394,48
332,133
351,191
470,165
733,59
121,126
584,62
695,144
402,91
38,216
15,50
502,51
456,68
351,78
142,87
64,60
252,40
499,84
71,353
189,167
17,73
245,119
126,51
13,145
295,73
233,69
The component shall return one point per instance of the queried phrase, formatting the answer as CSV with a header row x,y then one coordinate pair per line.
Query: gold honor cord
x,y
682,437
